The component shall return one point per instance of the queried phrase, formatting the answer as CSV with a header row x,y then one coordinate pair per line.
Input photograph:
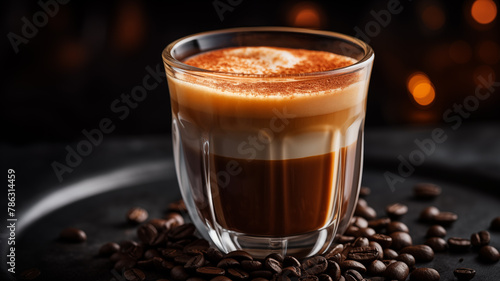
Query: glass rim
x,y
367,59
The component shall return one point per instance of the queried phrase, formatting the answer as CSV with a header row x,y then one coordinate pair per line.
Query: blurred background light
x,y
433,17
421,88
307,15
484,11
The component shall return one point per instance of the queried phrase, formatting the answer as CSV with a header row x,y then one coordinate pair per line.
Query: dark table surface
x,y
125,172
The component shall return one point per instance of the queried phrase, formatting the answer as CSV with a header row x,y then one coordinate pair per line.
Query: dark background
x,y
66,77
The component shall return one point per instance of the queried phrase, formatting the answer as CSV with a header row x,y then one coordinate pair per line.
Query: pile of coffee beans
x,y
372,248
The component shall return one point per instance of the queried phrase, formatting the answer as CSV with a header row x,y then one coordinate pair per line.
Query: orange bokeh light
x,y
421,88
433,17
484,11
307,18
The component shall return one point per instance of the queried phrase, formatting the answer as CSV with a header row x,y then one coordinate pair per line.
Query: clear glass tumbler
x,y
269,163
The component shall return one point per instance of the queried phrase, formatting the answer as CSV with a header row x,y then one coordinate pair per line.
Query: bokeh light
x,y
421,88
460,51
484,11
306,14
433,17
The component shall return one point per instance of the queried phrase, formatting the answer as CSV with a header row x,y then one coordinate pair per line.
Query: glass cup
x,y
269,163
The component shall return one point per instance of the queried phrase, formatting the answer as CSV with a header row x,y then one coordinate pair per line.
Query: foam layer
x,y
268,60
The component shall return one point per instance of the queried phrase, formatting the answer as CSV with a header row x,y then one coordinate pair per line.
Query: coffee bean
x,y
361,242
445,218
30,274
146,264
396,226
275,256
365,232
291,271
364,254
390,254
351,264
364,191
173,220
309,278
240,255
421,253
388,262
376,278
124,264
428,214
376,267
436,231
213,255
335,252
73,235
260,279
237,274
396,211
315,265
210,271
346,239
359,222
159,224
366,212
189,279
408,259
182,259
134,274
400,240
489,254
324,277
334,270
182,231
361,202
353,275
352,231
426,191
171,253
220,278
290,261
437,244
252,265
379,248
228,262
261,274
384,240
137,215
177,206
482,238
397,271
198,246
425,274
108,249
495,224
273,265
195,262
379,224
464,274
458,244
147,233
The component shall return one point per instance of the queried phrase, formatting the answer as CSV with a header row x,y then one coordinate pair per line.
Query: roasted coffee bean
x,y
237,274
290,261
189,279
177,206
162,264
125,263
314,265
198,246
134,274
309,278
495,224
352,231
408,259
361,202
260,279
397,271
182,259
376,267
228,262
426,191
428,214
396,211
239,255
30,274
147,233
421,253
390,254
361,242
182,231
384,240
445,218
364,254
195,262
173,220
291,271
437,244
213,255
275,256
482,238
489,254
436,231
334,252
379,248
351,264
210,271
388,262
376,278
137,215
353,275
359,222
73,235
464,274
261,274
458,244
425,274
273,265
400,240
366,212
346,239
251,265
334,270
159,224
146,264
397,226
160,239
171,253
324,277
365,232
379,224
364,191
220,278
108,249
